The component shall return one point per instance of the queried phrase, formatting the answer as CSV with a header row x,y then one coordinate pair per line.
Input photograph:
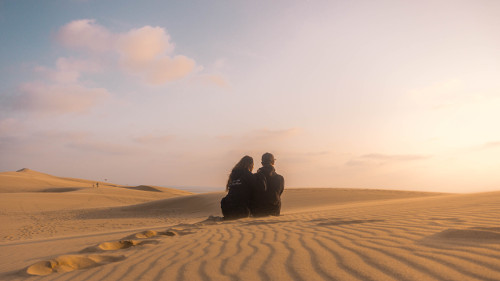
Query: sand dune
x,y
38,205
323,234
26,180
294,200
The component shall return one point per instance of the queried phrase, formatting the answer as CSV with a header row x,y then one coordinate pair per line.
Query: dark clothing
x,y
236,203
266,197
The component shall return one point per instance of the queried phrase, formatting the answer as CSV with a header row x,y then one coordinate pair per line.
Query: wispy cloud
x,y
394,157
154,139
493,144
59,90
10,126
216,79
262,135
101,147
46,98
275,134
68,70
383,159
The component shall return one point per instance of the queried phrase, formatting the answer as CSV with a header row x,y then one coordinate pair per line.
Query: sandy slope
x,y
323,234
37,205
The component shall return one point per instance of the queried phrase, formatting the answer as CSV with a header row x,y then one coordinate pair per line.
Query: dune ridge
x,y
27,180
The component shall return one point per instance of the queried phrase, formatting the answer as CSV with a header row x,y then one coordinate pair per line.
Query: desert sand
x,y
55,228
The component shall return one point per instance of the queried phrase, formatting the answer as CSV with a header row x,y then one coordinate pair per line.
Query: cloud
x,y
59,91
214,74
40,97
394,157
167,69
86,34
493,144
383,159
355,163
145,51
10,126
100,147
262,135
275,134
68,70
154,139
144,45
216,79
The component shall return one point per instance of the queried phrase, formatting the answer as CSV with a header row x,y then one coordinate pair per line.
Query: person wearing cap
x,y
266,196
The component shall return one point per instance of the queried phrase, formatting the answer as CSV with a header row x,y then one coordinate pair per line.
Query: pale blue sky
x,y
375,94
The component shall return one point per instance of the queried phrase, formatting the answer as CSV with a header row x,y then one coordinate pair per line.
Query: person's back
x,y
239,188
241,182
266,197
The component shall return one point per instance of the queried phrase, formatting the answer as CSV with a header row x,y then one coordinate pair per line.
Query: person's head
x,y
267,159
245,163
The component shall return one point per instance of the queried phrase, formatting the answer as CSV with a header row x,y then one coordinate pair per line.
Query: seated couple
x,y
250,194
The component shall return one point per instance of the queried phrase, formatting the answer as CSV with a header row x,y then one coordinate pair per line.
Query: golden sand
x,y
116,233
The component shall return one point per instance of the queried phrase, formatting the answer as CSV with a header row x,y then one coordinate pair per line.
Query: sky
x,y
381,94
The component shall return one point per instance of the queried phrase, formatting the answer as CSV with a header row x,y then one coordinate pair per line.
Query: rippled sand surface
x,y
322,234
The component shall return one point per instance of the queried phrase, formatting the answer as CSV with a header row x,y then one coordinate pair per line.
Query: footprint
x,y
123,244
117,245
180,231
153,233
210,220
472,235
70,263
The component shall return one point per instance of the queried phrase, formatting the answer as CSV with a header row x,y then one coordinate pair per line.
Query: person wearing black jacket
x,y
266,197
241,182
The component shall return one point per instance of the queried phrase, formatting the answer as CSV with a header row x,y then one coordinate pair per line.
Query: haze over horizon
x,y
365,94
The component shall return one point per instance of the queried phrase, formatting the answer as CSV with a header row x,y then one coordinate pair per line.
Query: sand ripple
x,y
452,237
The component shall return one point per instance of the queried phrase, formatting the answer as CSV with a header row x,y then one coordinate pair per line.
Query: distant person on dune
x,y
266,196
241,182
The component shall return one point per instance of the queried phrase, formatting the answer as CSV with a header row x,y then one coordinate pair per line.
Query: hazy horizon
x,y
365,94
